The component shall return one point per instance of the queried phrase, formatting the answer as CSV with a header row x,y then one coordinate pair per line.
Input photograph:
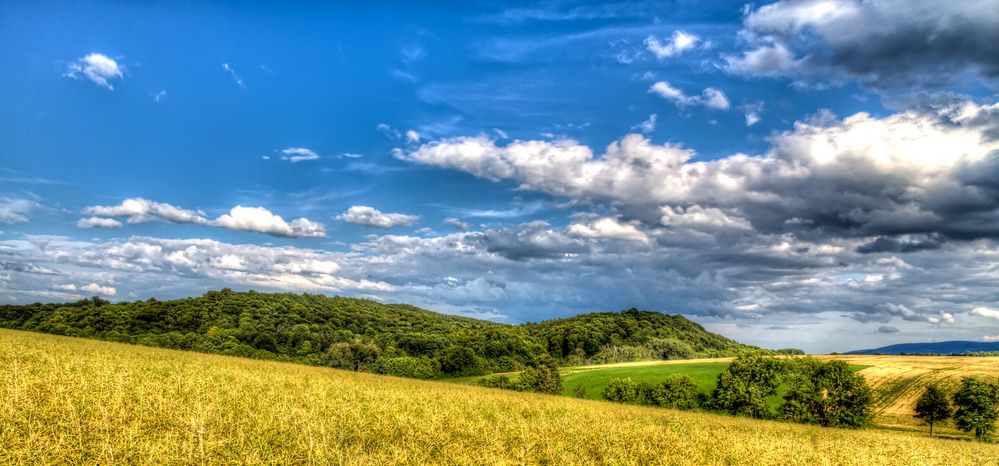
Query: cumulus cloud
x,y
139,210
608,228
990,338
299,154
371,217
256,219
886,43
97,222
456,223
710,97
99,289
986,312
862,176
15,210
680,42
100,69
261,220
412,136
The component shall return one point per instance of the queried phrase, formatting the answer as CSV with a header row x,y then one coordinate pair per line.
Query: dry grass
x,y
898,381
74,401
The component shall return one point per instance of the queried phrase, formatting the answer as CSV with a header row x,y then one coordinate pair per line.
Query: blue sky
x,y
795,173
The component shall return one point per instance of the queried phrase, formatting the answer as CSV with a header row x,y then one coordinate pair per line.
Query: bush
x,y
676,392
405,366
459,360
579,391
542,377
499,381
622,391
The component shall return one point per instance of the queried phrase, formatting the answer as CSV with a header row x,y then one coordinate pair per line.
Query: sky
x,y
820,174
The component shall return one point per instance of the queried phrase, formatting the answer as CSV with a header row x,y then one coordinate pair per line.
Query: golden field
x,y
71,401
898,381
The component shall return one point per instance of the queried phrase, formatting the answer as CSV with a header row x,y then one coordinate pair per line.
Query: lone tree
x,y
977,403
933,407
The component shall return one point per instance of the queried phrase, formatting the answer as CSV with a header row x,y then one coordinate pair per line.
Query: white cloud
x,y
985,312
235,77
647,126
139,210
257,219
815,176
299,154
710,97
767,59
607,227
261,220
371,217
680,42
456,223
752,112
96,67
159,96
97,222
388,131
714,98
15,210
990,338
98,289
696,216
412,136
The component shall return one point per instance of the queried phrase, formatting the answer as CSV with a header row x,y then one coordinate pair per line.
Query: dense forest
x,y
360,334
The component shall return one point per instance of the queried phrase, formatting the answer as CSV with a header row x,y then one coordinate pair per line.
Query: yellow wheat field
x,y
69,401
898,381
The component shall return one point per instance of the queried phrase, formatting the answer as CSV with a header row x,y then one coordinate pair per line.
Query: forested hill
x,y
361,334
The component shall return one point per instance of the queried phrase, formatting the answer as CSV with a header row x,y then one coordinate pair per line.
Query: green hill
x,y
360,334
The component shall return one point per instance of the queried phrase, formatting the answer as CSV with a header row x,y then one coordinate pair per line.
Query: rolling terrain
x,y
359,334
67,400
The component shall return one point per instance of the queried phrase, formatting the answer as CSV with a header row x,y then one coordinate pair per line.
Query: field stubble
x,y
65,400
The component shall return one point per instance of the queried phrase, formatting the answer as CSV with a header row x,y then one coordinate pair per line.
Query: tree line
x,y
364,335
802,389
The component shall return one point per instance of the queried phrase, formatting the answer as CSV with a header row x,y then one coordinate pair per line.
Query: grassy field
x,y
65,400
596,378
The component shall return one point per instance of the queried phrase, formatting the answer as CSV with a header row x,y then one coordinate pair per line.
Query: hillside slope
x,y
65,400
366,335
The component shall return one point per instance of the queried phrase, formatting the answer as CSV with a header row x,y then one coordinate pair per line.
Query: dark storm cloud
x,y
883,43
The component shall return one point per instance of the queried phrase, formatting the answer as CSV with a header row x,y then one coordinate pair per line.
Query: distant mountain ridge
x,y
940,347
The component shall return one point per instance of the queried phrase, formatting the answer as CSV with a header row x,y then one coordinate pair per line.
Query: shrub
x,y
499,381
405,366
622,391
459,360
676,392
542,377
579,391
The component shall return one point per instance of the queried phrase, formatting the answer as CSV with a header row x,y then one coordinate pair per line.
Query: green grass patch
x,y
705,375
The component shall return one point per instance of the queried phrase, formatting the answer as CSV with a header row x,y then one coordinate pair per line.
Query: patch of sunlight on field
x,y
65,400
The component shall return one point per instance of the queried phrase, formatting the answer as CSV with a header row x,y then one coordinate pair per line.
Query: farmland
x,y
80,401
